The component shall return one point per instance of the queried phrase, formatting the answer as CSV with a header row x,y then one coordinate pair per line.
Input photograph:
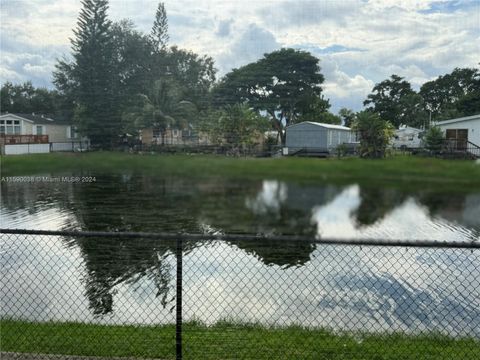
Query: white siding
x,y
473,126
315,136
43,129
305,135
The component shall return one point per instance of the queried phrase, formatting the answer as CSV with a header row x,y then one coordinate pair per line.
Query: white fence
x,y
18,149
69,146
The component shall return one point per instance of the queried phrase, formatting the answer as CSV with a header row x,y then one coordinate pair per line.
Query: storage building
x,y
313,137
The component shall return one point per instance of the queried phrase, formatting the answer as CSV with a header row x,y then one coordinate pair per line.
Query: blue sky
x,y
359,42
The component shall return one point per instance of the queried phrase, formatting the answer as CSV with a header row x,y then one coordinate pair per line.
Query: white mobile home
x,y
317,137
31,133
462,133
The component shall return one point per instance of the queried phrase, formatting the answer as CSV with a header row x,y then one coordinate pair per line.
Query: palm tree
x,y
163,108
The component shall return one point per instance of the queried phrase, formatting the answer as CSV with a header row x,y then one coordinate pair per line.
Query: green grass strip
x,y
226,340
407,172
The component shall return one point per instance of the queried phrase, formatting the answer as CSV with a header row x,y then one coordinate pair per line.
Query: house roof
x,y
328,126
38,118
408,129
451,121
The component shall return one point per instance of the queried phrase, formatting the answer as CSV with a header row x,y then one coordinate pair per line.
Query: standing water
x,y
341,287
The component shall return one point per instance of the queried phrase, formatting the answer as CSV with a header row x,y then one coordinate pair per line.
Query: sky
x,y
359,42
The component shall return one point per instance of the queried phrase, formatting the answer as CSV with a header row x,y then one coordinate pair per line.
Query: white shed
x,y
317,137
462,132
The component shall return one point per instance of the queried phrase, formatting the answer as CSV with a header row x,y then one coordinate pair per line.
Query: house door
x,y
457,138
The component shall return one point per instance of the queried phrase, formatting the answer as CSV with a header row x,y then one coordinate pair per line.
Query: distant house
x,y
462,133
31,133
155,136
172,136
407,137
316,137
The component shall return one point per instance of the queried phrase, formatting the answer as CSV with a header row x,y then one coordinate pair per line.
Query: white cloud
x,y
404,37
224,28
342,88
248,47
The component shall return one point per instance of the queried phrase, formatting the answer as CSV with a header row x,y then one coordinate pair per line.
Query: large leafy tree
x,y
25,98
470,103
454,94
90,77
17,98
195,73
134,65
394,100
315,108
280,83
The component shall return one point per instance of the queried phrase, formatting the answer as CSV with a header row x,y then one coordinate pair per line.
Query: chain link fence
x,y
221,296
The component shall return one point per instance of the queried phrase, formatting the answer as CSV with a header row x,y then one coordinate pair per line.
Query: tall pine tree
x,y
92,70
159,34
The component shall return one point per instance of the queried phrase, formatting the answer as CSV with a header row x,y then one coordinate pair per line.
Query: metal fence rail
x,y
219,296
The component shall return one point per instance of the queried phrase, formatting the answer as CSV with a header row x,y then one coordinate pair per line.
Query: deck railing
x,y
23,139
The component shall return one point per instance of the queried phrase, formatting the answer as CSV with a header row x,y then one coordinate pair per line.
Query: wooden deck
x,y
23,139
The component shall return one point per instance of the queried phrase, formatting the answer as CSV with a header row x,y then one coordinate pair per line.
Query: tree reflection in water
x,y
113,261
131,202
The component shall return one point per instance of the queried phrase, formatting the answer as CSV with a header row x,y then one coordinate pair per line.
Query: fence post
x,y
178,327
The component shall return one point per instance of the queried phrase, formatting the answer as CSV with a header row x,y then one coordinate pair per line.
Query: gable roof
x,y
37,119
408,129
328,126
451,121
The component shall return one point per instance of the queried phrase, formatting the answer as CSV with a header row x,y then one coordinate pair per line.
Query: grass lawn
x,y
225,341
399,171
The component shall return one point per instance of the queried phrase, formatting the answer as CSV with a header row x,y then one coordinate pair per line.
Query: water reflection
x,y
393,216
269,200
117,280
109,262
133,202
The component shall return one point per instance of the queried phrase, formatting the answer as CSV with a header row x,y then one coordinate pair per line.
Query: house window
x,y
39,130
10,127
72,132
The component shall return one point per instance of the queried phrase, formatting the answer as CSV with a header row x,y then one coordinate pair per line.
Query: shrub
x,y
374,134
434,139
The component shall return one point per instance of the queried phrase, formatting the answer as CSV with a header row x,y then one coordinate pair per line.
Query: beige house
x,y
172,136
32,133
154,136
